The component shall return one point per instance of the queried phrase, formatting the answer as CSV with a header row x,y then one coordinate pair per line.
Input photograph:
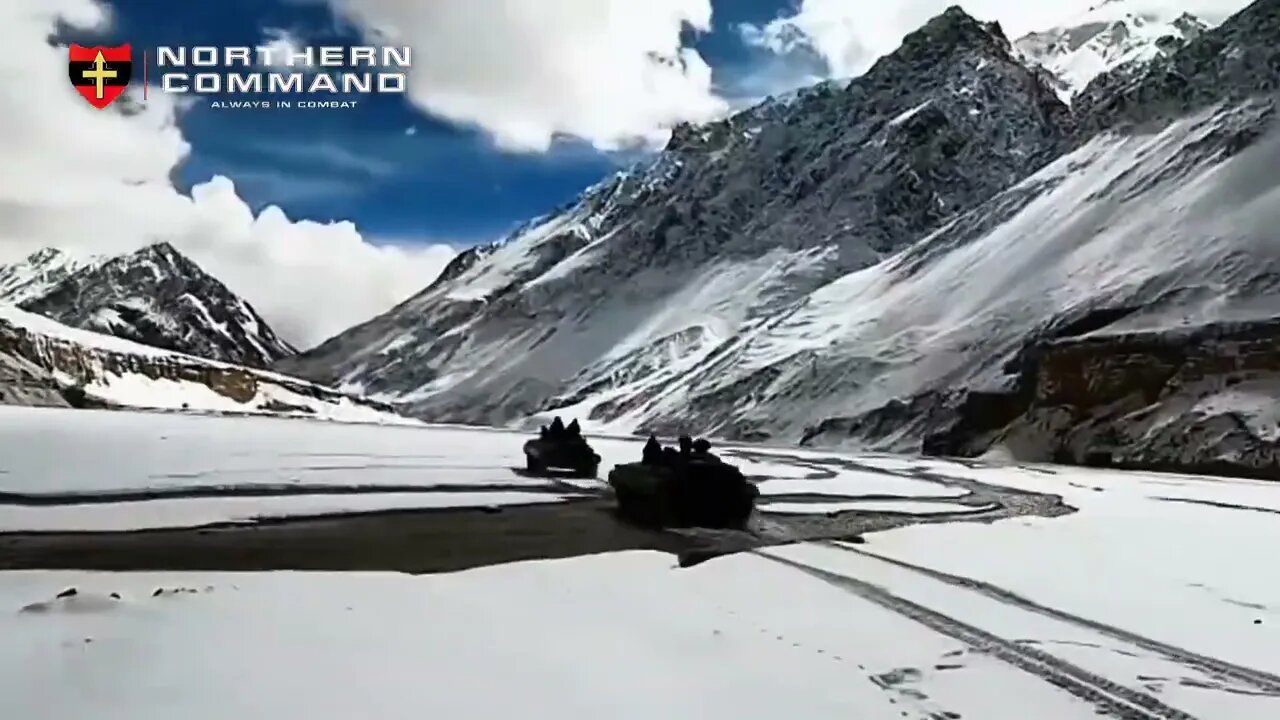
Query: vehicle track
x,y
192,492
1220,505
1269,683
1106,695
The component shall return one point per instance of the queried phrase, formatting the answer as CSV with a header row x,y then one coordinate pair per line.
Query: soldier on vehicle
x,y
652,453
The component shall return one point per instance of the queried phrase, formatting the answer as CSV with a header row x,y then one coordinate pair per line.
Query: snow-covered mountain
x,y
46,363
39,274
653,270
155,296
1107,36
939,255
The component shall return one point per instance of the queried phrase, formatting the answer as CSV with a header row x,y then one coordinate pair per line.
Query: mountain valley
x,y
912,261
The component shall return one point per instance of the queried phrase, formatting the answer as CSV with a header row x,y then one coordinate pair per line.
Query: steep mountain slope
x,y
155,296
1123,316
658,269
1110,35
1234,62
939,256
45,363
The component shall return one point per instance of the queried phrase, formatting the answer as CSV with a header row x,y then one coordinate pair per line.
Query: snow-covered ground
x,y
856,482
100,452
621,636
1156,599
150,464
630,636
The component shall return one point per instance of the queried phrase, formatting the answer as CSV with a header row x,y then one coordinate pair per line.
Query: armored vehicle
x,y
685,488
562,448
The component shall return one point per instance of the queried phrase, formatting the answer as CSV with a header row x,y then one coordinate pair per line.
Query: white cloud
x,y
850,36
283,46
98,182
612,72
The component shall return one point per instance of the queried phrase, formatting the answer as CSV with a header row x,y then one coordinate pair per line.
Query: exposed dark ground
x,y
453,539
413,541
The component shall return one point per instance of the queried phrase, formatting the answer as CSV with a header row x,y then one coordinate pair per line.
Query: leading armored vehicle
x,y
689,487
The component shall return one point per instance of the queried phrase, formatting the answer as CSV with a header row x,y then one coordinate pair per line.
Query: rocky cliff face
x,y
156,296
912,261
1198,399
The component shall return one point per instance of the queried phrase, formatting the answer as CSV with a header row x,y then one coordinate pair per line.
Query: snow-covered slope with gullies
x,y
155,296
940,255
1107,36
734,222
1159,226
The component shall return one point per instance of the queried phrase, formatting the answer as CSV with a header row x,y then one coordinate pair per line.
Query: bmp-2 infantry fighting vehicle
x,y
560,447
689,487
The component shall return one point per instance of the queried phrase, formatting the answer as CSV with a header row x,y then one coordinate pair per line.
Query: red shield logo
x,y
100,74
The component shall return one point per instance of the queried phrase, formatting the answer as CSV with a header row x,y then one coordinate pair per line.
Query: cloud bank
x,y
612,72
92,181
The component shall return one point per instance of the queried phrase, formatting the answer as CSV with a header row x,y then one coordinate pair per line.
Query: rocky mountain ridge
x,y
155,296
44,363
37,275
905,262
1108,36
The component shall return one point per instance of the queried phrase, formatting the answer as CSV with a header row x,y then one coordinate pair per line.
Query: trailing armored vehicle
x,y
561,448
689,487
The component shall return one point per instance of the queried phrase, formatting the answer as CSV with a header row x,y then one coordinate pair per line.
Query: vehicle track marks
x,y
1106,695
192,492
1219,669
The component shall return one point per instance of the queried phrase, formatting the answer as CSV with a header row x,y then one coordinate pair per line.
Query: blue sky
x,y
438,182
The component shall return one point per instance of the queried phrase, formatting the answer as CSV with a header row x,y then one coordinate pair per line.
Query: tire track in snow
x,y
190,492
1106,695
1214,667
1220,505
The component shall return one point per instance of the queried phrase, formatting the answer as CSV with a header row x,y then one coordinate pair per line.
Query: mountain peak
x,y
159,247
951,30
162,251
155,296
1112,35
38,274
45,255
1235,60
